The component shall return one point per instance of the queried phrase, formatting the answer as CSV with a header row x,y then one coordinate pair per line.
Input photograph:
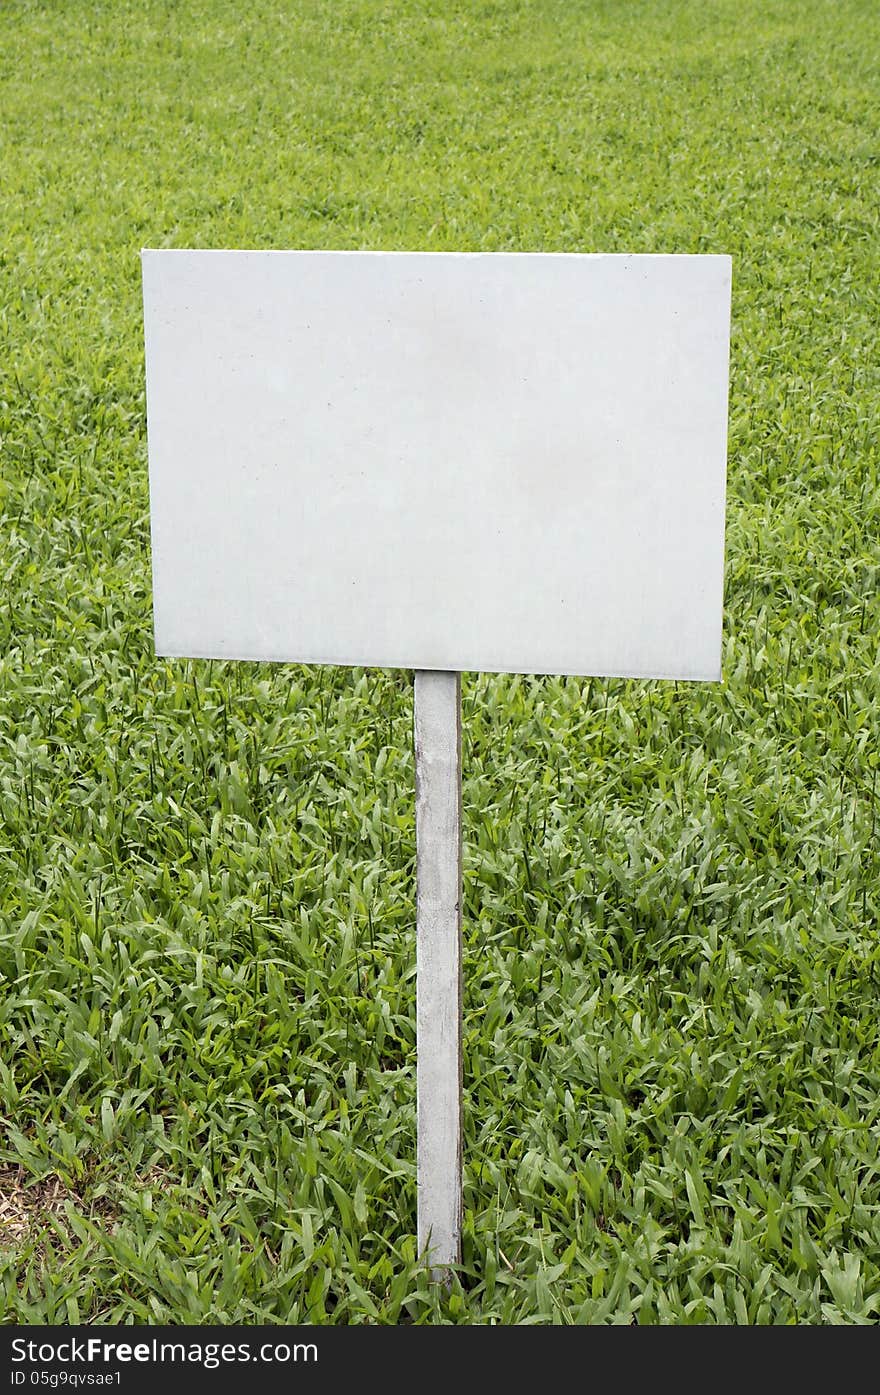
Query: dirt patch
x,y
25,1205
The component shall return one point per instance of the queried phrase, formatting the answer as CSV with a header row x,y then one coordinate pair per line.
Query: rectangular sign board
x,y
500,461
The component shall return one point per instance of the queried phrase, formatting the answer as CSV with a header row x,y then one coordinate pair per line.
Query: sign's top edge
x,y
414,252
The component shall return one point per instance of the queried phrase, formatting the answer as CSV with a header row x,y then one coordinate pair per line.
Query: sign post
x,y
549,430
437,729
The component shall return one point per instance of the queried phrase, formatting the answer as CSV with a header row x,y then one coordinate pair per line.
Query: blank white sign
x,y
512,462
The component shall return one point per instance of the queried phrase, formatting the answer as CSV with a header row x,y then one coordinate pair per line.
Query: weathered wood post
x,y
437,731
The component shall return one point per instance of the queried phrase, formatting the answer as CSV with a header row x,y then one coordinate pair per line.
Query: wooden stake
x,y
437,725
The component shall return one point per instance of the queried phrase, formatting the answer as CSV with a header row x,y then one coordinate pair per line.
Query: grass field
x,y
672,962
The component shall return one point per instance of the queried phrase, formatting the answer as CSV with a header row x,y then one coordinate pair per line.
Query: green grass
x,y
672,963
